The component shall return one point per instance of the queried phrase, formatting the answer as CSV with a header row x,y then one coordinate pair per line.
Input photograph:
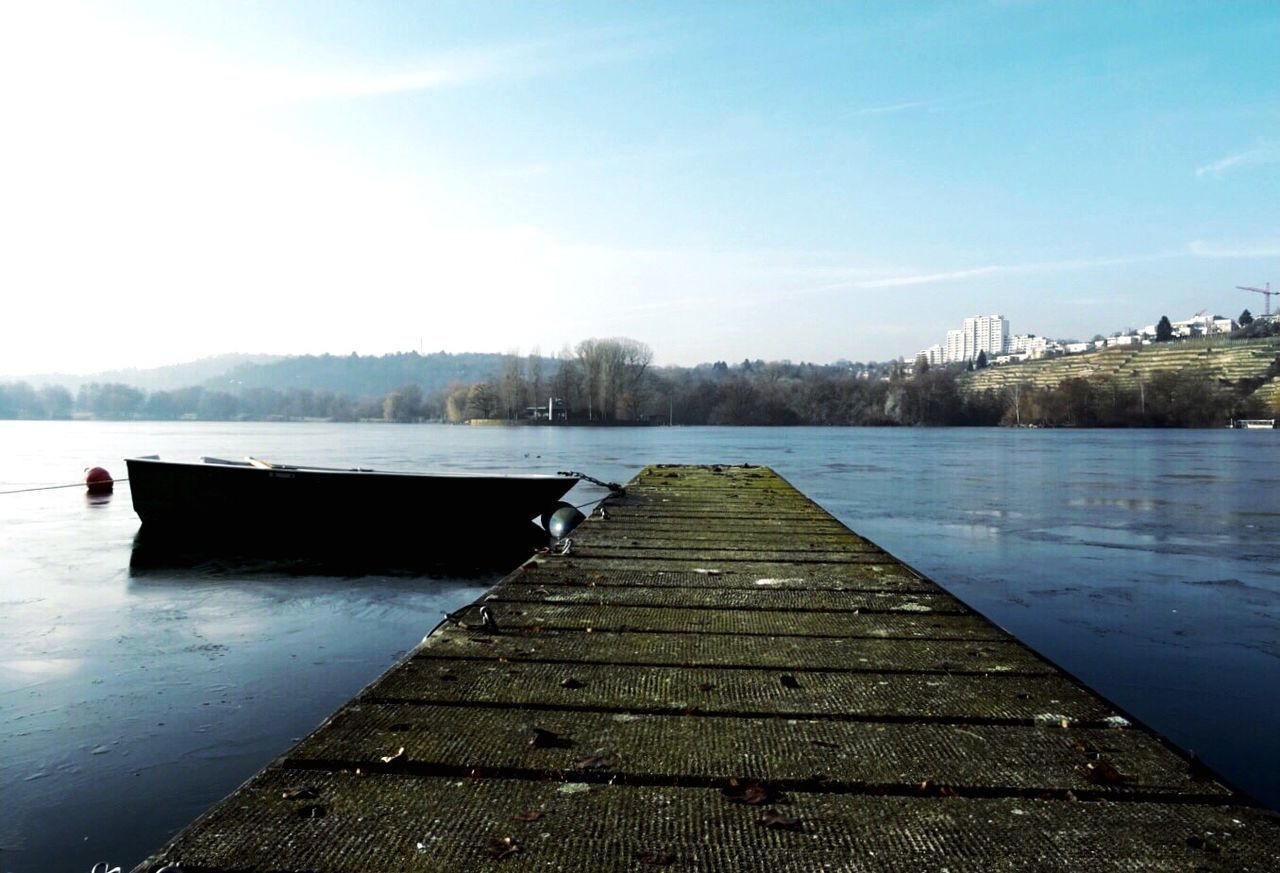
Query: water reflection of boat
x,y
217,497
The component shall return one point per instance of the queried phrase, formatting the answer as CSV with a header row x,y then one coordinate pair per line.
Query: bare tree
x,y
533,376
403,404
482,401
568,379
590,359
614,371
635,359
511,386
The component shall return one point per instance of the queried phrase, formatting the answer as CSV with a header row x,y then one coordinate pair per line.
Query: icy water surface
x,y
131,698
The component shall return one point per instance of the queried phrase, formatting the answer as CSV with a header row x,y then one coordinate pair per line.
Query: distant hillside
x,y
1250,364
166,378
353,376
356,376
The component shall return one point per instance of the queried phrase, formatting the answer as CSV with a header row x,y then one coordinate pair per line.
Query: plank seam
x,y
419,769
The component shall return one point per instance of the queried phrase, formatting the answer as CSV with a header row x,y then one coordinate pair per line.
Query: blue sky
x,y
803,181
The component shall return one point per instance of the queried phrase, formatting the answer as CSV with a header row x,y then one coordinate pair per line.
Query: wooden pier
x,y
718,675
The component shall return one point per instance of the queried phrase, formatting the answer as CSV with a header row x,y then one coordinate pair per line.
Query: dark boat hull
x,y
214,498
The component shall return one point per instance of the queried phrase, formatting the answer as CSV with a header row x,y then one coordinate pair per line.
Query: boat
x,y
252,496
1254,423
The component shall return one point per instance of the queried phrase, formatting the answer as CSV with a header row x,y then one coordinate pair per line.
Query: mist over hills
x,y
166,378
346,375
356,376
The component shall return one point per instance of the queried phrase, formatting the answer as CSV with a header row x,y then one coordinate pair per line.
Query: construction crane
x,y
1267,291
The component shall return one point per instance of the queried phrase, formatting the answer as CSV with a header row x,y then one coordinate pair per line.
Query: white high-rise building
x,y
934,355
981,333
987,333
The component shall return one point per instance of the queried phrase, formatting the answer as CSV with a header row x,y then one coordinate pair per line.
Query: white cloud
x,y
946,276
1256,248
891,108
963,274
1266,152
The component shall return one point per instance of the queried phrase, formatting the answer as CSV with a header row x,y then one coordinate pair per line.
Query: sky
x,y
811,182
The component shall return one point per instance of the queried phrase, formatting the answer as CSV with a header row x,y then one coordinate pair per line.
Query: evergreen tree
x,y
1246,318
981,362
1164,330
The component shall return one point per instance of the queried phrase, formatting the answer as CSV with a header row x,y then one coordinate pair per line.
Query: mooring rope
x,y
54,487
612,486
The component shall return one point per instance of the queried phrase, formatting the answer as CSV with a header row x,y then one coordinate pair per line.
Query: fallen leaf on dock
x,y
304,792
779,820
1100,772
528,815
500,849
751,793
593,762
1196,842
572,683
545,739
392,759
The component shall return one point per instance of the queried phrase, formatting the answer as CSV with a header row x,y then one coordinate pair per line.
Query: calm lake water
x,y
1145,562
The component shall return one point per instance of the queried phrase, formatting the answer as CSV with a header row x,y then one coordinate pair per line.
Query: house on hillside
x,y
1200,324
1026,345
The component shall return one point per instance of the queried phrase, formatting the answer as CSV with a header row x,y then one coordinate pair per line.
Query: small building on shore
x,y
555,409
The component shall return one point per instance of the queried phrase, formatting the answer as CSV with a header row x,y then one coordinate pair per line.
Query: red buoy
x,y
98,481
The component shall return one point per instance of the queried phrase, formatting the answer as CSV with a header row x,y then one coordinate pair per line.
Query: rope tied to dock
x,y
613,487
487,621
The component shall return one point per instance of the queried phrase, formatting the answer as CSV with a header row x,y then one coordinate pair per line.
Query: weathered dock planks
x,y
720,676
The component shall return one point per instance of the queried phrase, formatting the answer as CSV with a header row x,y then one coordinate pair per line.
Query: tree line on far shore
x,y
613,381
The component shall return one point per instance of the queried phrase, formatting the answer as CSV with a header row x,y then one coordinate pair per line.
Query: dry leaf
x,y
545,739
593,762
1100,772
779,820
751,793
500,849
